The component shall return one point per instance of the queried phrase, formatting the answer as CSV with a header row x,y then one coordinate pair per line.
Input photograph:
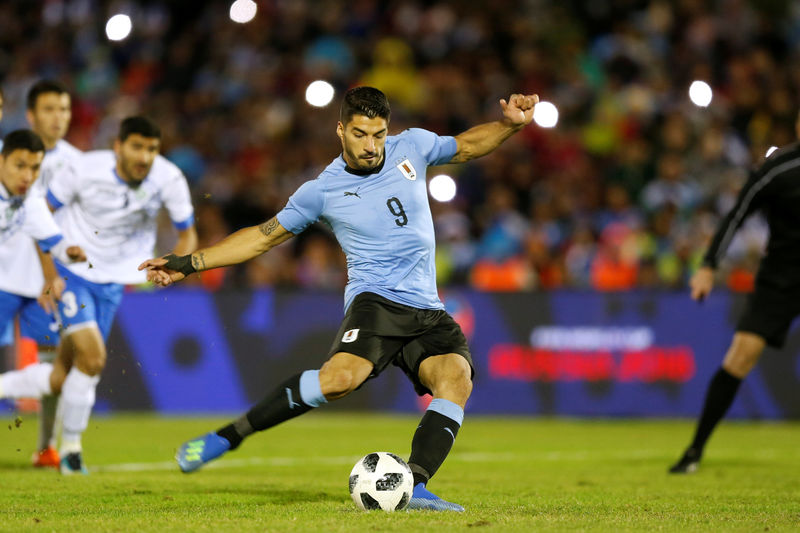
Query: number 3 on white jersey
x,y
70,304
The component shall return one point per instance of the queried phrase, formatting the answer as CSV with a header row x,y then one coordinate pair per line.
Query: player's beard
x,y
135,173
361,164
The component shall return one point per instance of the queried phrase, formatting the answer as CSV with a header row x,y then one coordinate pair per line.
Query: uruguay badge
x,y
407,169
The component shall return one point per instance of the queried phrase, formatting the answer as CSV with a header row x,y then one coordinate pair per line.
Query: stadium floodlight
x,y
545,114
243,11
770,150
700,93
118,27
442,188
319,93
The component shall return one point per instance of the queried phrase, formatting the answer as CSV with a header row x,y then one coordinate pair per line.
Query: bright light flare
x,y
118,27
243,11
700,93
319,93
770,150
442,188
545,114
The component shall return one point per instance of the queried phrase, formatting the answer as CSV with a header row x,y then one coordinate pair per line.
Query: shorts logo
x,y
407,169
350,336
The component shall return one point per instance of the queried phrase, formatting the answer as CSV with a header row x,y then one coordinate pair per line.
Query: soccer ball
x,y
381,480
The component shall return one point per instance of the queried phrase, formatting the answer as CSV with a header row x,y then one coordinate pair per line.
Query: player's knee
x,y
56,382
91,364
454,381
336,383
743,354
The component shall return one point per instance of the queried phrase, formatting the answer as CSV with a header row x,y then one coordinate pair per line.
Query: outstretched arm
x,y
53,283
236,248
187,241
484,138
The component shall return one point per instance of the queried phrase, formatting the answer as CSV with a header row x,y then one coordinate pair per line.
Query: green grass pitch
x,y
511,474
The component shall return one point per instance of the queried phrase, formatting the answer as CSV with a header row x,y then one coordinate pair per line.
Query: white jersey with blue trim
x,y
61,158
24,220
115,223
382,219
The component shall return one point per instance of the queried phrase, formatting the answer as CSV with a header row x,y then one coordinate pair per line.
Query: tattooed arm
x,y
236,248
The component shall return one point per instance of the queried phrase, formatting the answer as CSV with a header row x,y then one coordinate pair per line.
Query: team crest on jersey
x,y
350,335
407,169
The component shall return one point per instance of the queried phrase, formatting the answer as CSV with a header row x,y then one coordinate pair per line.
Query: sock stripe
x,y
310,390
447,408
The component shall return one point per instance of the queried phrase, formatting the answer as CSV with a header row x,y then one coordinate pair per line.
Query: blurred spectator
x,y
622,193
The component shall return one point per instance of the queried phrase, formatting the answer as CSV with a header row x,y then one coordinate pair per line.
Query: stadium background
x,y
565,253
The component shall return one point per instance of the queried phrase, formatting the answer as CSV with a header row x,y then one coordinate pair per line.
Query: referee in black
x,y
774,188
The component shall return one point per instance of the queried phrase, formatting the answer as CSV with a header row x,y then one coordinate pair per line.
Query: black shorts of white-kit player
x,y
386,332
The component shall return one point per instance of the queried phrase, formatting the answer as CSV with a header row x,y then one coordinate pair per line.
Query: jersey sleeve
x,y
64,186
436,149
303,208
751,198
178,201
39,223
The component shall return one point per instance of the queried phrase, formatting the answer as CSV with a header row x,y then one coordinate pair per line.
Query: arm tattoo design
x,y
269,226
198,261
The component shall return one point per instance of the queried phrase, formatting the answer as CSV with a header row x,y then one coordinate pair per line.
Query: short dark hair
x,y
43,87
138,124
367,101
22,140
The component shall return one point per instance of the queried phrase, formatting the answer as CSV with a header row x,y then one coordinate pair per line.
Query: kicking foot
x,y
47,458
688,463
195,453
423,499
72,463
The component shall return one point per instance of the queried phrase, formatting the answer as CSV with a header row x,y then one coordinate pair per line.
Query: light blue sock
x,y
310,391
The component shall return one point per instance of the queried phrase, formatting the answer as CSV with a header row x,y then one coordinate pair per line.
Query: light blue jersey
x,y
382,220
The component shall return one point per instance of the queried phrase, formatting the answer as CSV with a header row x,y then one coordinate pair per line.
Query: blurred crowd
x,y
623,193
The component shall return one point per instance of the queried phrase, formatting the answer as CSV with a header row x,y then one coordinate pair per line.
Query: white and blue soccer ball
x,y
381,480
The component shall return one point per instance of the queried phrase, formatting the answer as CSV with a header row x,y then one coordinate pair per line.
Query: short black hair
x,y
138,124
367,101
22,140
43,87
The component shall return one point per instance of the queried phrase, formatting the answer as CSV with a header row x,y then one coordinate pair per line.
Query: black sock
x,y
431,444
280,405
720,395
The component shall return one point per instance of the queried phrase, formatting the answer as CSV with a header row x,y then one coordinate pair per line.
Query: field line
x,y
464,457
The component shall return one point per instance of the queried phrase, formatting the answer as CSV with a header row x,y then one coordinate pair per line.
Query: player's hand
x,y
76,254
518,111
51,293
159,274
701,283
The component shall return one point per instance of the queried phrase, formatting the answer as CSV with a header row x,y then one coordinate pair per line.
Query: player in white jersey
x,y
49,112
109,207
25,216
7,332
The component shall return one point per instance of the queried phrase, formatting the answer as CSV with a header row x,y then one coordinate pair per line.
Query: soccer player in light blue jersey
x,y
374,197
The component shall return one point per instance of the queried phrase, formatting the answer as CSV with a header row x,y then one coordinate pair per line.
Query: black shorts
x,y
771,308
385,332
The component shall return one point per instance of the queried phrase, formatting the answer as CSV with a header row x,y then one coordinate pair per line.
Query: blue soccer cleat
x,y
423,499
195,453
72,463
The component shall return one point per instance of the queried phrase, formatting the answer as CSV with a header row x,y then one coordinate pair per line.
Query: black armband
x,y
182,263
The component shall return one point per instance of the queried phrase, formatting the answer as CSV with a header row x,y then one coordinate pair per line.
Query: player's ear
x,y
29,116
340,130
